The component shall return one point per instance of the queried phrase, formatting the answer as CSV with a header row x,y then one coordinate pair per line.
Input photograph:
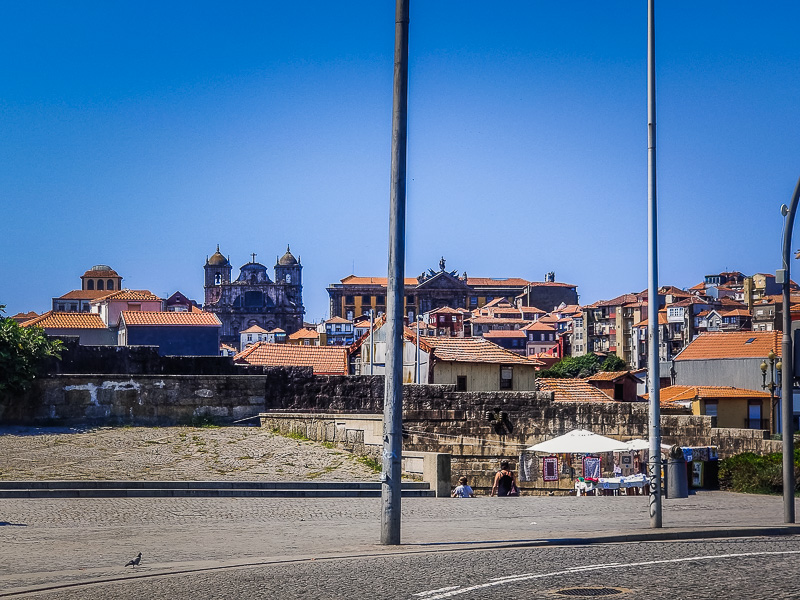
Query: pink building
x,y
111,305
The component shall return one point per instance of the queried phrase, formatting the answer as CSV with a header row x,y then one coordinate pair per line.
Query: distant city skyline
x,y
141,136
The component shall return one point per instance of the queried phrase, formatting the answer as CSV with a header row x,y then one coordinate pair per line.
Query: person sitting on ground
x,y
504,481
462,490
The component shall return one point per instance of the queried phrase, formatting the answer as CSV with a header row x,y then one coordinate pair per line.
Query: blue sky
x,y
140,135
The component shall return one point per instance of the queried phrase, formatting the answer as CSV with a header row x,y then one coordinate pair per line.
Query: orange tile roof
x,y
496,302
382,281
662,320
497,282
736,312
548,319
105,273
571,390
550,284
254,329
445,310
169,319
473,350
21,317
83,295
66,320
732,345
607,375
499,333
228,348
126,294
304,334
498,321
337,320
324,360
689,393
538,326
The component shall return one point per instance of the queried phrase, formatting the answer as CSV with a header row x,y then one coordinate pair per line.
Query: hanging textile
x,y
528,467
550,468
591,467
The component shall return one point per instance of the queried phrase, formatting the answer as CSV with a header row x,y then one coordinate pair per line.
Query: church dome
x,y
253,273
101,271
288,259
217,258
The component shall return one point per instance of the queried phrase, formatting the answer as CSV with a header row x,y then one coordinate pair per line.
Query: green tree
x,y
583,366
22,352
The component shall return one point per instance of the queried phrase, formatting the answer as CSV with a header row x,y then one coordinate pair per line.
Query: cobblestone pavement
x,y
47,541
736,568
171,453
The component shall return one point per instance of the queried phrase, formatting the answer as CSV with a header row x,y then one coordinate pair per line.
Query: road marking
x,y
444,589
457,590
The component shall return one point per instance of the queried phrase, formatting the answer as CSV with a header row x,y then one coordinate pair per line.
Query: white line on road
x,y
444,589
457,590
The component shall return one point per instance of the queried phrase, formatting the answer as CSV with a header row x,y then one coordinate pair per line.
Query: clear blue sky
x,y
142,134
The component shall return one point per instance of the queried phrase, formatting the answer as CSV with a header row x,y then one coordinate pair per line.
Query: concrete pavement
x,y
56,542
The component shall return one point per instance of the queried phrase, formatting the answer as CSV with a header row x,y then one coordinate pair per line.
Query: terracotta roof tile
x,y
607,375
735,344
550,284
686,393
355,280
254,329
499,333
324,360
474,350
169,319
337,320
67,320
498,321
538,326
304,334
496,282
83,295
571,390
126,294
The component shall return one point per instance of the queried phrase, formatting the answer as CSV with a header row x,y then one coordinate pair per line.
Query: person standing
x,y
505,483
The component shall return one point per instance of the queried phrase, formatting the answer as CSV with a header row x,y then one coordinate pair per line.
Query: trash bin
x,y
677,484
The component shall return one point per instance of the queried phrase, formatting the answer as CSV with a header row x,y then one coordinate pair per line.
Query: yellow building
x,y
732,407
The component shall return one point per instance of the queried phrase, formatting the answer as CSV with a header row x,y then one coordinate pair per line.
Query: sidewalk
x,y
59,541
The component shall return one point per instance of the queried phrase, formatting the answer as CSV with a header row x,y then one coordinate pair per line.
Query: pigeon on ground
x,y
135,562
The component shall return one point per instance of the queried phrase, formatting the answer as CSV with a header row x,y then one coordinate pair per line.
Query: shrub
x,y
756,474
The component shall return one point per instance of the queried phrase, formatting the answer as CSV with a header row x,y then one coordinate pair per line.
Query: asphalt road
x,y
750,568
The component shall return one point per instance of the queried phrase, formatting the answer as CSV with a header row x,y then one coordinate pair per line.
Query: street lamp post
x,y
770,367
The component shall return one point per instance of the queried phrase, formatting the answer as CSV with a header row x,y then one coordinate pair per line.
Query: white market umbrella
x,y
641,444
579,441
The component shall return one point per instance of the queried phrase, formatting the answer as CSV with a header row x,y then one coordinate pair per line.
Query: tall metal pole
x,y
652,272
393,396
787,358
416,356
371,345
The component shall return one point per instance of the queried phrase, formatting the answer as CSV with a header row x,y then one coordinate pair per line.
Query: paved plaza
x,y
61,541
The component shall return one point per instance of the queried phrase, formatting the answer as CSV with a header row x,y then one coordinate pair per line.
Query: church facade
x,y
253,298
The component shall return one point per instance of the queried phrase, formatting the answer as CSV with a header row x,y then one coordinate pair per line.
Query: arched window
x,y
217,279
110,284
90,284
99,284
288,278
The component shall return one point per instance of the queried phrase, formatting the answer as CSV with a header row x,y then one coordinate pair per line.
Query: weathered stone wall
x,y
478,436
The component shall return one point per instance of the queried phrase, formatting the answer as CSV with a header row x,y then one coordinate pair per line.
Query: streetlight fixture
x,y
771,367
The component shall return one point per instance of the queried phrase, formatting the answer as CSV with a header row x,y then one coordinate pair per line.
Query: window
x,y
249,337
506,378
254,299
618,391
90,284
217,279
366,299
288,278
473,301
455,319
99,284
380,300
461,383
347,327
110,284
338,328
134,306
306,342
711,408
349,315
349,299
73,308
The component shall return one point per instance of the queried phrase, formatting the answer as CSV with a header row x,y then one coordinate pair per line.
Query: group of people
x,y
505,484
